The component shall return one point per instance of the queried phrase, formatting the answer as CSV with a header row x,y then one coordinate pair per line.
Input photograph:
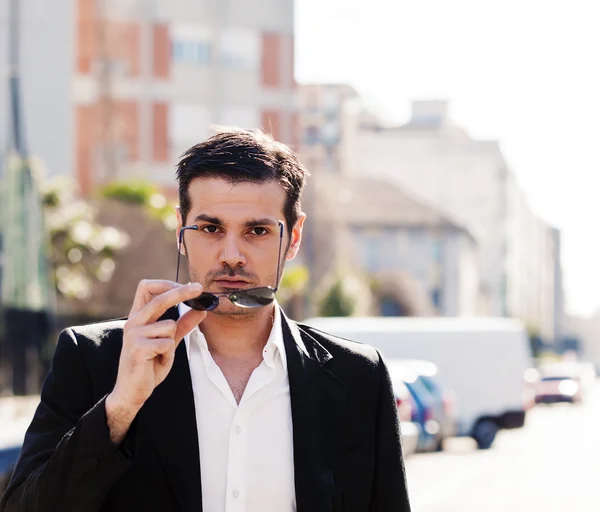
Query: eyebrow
x,y
209,219
265,221
252,223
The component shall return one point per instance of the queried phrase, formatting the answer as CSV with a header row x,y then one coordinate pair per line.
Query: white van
x,y
483,360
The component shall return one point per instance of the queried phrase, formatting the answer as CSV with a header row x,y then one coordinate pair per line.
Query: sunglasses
x,y
250,298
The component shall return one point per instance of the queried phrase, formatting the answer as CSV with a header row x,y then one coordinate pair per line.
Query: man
x,y
207,397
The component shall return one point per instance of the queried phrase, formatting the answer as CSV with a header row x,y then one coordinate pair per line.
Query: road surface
x,y
550,465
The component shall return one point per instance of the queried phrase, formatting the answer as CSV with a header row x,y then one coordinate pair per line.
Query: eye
x,y
209,229
259,231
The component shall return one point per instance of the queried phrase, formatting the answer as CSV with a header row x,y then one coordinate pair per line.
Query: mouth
x,y
231,284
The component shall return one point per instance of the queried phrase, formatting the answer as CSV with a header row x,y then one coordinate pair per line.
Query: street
x,y
550,465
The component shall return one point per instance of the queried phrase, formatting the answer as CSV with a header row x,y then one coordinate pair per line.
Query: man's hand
x,y
148,349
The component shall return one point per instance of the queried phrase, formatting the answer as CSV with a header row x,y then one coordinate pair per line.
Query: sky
x,y
523,72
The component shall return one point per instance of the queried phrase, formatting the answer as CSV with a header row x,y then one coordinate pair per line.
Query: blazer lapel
x,y
318,400
170,416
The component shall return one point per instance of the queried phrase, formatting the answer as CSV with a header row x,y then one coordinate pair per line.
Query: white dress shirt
x,y
246,450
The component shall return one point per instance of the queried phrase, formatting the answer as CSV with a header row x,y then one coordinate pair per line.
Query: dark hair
x,y
240,156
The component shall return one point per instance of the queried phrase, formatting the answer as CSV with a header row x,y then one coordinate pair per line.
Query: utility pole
x,y
14,86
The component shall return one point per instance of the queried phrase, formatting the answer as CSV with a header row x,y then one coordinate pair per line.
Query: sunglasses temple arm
x,y
279,255
179,254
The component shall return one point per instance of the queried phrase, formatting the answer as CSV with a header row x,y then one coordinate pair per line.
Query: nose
x,y
231,254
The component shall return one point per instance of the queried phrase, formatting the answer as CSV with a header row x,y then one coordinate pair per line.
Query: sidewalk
x,y
15,415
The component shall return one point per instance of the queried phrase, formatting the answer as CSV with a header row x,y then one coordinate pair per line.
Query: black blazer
x,y
346,436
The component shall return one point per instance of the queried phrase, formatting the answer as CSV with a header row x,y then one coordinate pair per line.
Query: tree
x,y
338,300
82,250
292,290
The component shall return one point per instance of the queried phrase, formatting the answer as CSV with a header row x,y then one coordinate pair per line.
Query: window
x,y
191,52
192,44
437,249
436,298
415,237
311,136
388,306
330,133
370,245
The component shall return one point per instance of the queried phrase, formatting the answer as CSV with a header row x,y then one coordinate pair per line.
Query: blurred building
x,y
328,116
469,179
418,258
419,261
586,330
120,88
534,281
559,289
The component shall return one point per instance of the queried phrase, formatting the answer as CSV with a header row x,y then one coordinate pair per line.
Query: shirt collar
x,y
273,347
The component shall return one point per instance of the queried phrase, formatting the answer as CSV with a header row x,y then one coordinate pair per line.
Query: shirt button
x,y
236,493
238,429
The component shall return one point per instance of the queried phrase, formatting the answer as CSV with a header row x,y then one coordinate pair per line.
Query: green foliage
x,y
295,278
293,282
145,194
337,301
135,192
81,249
535,340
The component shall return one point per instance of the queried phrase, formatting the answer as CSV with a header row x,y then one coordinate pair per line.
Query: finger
x,y
152,311
158,347
162,329
166,360
187,322
148,289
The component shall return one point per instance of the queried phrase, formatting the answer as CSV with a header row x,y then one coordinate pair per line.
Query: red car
x,y
405,405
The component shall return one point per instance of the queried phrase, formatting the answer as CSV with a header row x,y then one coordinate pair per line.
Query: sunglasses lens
x,y
204,302
254,298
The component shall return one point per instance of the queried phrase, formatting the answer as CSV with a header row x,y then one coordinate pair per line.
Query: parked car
x,y
435,406
558,388
562,382
410,429
531,378
444,398
482,359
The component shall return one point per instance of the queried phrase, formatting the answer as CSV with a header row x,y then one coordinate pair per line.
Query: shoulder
x,y
88,354
359,366
99,341
352,352
97,334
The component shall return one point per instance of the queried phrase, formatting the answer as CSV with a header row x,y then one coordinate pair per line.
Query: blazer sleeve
x,y
390,492
67,461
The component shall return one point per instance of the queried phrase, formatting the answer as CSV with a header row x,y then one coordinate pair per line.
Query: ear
x,y
296,238
179,226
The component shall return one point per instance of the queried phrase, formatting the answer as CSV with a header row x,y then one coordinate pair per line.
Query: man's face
x,y
236,245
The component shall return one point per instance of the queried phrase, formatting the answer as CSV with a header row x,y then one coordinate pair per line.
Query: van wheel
x,y
484,433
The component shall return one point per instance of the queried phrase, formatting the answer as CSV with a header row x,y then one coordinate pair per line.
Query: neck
x,y
238,336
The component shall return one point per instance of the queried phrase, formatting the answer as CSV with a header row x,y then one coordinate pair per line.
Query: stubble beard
x,y
225,307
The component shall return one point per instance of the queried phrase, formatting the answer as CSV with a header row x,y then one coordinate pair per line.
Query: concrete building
x,y
121,88
587,331
469,180
559,289
373,226
327,120
419,259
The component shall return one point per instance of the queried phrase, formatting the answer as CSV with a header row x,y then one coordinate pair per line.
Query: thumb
x,y
187,322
